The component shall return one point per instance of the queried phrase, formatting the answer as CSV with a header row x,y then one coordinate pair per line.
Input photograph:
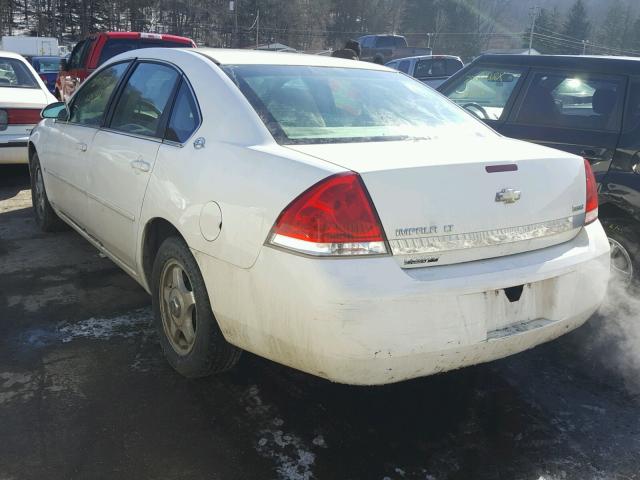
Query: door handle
x,y
141,165
82,146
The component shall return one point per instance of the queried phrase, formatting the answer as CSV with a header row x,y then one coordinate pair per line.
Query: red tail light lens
x,y
592,195
333,217
23,116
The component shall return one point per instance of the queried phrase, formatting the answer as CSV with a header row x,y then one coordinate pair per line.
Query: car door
x,y
621,186
574,111
487,91
68,162
123,155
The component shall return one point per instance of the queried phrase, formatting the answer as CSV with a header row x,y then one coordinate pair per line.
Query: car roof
x,y
420,57
588,62
227,56
17,56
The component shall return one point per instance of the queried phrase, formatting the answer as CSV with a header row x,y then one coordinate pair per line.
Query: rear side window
x,y
485,91
89,104
632,115
573,100
404,66
452,65
430,68
185,117
116,46
14,73
144,99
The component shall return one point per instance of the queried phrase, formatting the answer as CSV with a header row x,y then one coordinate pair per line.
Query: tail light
x,y
23,116
335,217
592,195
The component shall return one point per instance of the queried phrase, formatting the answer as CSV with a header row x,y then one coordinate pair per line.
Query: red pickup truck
x,y
96,49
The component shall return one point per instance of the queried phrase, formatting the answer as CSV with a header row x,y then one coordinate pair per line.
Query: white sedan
x,y
331,215
23,95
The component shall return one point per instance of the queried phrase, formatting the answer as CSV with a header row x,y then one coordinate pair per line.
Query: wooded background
x,y
462,27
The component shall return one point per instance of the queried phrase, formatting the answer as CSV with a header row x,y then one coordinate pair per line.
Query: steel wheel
x,y
40,199
178,307
621,263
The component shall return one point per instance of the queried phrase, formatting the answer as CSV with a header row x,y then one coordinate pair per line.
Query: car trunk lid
x,y
442,202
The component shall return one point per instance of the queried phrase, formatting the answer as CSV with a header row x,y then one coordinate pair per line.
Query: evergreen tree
x,y
577,26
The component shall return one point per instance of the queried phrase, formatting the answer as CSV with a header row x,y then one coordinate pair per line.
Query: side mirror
x,y
64,65
57,110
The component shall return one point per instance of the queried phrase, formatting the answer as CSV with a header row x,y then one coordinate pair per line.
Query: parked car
x,y
93,51
22,96
389,47
589,106
47,68
431,70
270,203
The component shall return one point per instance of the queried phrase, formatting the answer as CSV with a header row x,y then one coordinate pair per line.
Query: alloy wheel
x,y
178,307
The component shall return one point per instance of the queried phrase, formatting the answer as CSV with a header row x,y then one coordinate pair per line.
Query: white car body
x,y
359,320
13,138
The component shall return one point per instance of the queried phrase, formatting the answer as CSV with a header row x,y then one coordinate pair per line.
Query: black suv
x,y
589,106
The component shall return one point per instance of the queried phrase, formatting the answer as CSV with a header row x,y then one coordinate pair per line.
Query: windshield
x,y
47,65
301,104
14,73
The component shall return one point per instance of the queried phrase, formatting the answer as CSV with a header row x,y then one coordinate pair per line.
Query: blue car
x,y
47,67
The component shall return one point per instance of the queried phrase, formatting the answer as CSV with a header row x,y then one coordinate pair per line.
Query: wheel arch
x,y
156,230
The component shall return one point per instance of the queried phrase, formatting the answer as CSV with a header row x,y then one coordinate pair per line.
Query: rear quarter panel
x,y
241,168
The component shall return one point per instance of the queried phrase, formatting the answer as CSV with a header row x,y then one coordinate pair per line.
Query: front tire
x,y
189,333
625,251
46,218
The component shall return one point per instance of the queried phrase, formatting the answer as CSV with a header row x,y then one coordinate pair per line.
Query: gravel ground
x,y
85,393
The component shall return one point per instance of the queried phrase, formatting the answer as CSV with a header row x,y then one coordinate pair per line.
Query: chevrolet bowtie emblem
x,y
508,195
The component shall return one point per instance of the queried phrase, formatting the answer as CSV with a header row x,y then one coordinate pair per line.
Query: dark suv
x,y
589,106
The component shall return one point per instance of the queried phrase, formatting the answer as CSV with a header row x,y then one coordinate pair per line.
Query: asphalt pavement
x,y
86,394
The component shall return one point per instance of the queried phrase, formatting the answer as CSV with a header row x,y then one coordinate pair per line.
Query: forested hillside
x,y
463,27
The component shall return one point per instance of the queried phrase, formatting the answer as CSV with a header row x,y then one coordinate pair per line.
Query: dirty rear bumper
x,y
367,321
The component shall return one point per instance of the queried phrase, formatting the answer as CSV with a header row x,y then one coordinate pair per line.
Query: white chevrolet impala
x,y
23,95
331,215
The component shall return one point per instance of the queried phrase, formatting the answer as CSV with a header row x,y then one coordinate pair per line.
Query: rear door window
x,y
573,100
452,65
144,99
404,66
485,91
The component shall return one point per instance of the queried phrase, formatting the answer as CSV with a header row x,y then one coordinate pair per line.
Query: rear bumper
x,y
13,148
367,321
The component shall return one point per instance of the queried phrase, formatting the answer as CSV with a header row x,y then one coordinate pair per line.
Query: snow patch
x,y
129,325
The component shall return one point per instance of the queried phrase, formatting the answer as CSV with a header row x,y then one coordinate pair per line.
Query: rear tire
x,y
46,218
624,236
189,333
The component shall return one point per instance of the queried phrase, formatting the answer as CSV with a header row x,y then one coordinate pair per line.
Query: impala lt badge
x,y
508,195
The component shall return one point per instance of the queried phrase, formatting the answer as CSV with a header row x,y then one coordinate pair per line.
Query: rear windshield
x,y
47,65
301,104
390,42
14,73
116,46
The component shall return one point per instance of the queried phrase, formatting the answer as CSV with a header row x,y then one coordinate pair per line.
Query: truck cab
x,y
389,47
93,51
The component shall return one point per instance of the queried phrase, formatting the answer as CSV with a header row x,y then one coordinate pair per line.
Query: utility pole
x,y
258,28
534,17
584,46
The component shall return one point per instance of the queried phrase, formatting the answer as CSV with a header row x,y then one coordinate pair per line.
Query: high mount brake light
x,y
591,208
335,217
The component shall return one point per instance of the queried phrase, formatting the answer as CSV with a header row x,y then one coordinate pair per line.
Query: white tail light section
x,y
591,205
335,217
